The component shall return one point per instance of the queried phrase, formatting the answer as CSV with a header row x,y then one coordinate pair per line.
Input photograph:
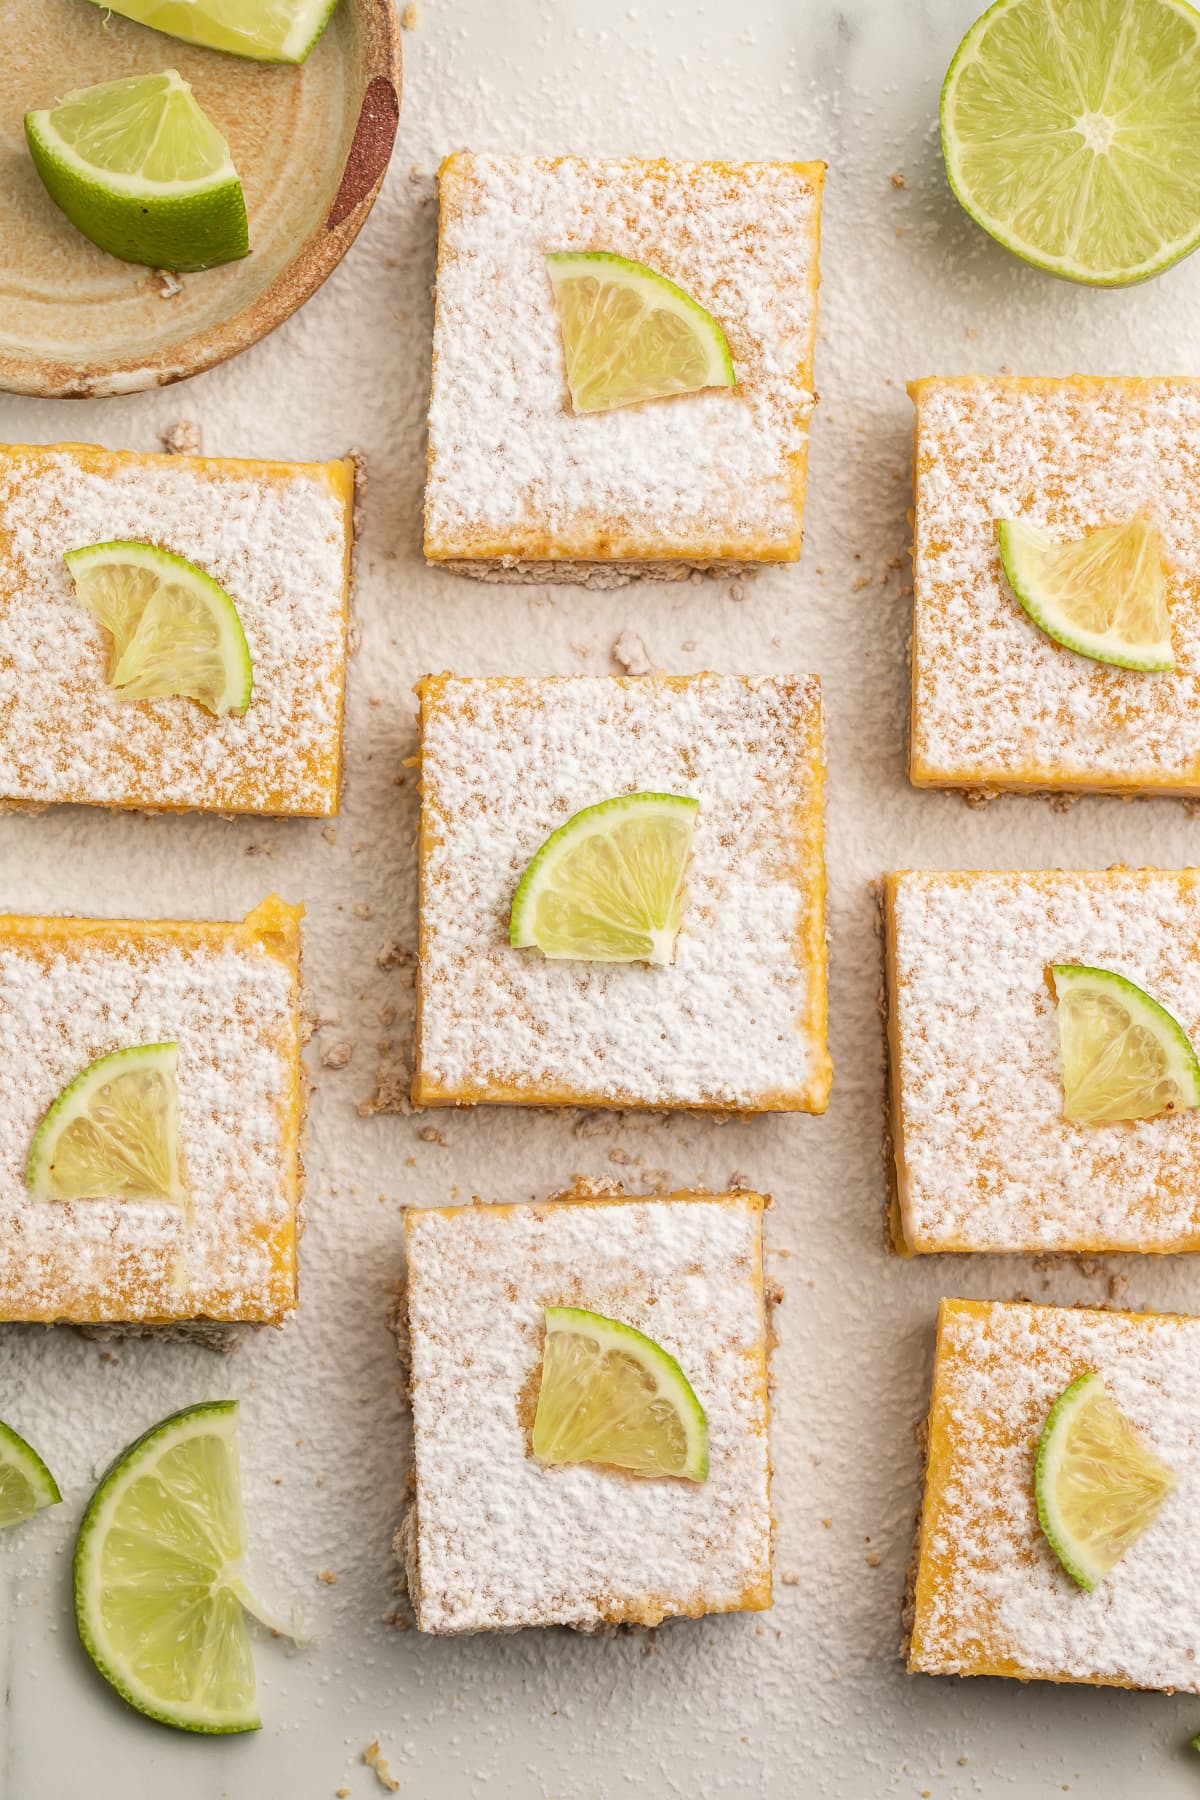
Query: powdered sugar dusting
x,y
987,1160
275,537
513,472
990,1592
995,699
502,1541
738,1019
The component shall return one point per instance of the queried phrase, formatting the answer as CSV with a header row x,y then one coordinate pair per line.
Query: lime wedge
x,y
26,1484
159,1596
142,171
1071,134
609,1394
629,334
267,30
1097,1485
1123,1055
174,631
113,1132
1103,595
608,885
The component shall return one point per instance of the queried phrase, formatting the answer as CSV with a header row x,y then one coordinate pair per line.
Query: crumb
x,y
338,1055
392,1082
386,1014
181,439
393,955
373,1758
690,644
898,180
740,1184
828,1523
409,17
859,583
790,1577
361,910
166,284
329,833
873,1559
630,653
736,591
593,1124
267,849
619,1156
429,1134
328,1577
342,1793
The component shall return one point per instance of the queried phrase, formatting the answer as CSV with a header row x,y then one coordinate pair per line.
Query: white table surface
x,y
809,1700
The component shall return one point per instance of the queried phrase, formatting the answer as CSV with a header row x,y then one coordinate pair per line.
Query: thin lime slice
x,y
629,334
267,30
1097,1486
26,1484
140,169
175,632
609,1394
608,885
113,1132
1123,1055
159,1594
1071,134
1102,595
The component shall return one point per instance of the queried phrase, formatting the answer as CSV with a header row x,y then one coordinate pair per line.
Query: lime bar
x,y
267,30
141,169
26,1484
1123,1055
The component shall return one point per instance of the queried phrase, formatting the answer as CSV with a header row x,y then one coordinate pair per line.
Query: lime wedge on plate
x,y
159,1597
608,885
1102,595
267,30
1097,1486
1123,1055
1071,133
26,1484
629,334
140,169
113,1132
175,632
609,1394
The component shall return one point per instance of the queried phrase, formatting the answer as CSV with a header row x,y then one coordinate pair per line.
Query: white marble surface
x,y
810,1700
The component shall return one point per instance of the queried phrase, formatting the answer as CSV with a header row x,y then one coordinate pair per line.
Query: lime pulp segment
x,y
159,1596
141,169
608,885
26,1484
1123,1055
610,1394
113,1132
1097,1486
267,30
175,631
629,334
1103,595
1071,133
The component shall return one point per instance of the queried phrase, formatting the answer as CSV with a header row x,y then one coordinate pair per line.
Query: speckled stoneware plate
x,y
311,145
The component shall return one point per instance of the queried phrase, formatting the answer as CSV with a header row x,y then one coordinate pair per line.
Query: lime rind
x,y
177,18
215,1578
1028,556
969,55
131,655
74,1103
1182,1070
26,1484
657,294
650,938
670,1384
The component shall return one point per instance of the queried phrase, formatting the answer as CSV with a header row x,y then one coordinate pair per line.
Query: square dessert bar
x,y
996,703
72,990
985,1159
275,536
494,1539
522,488
737,1022
990,1597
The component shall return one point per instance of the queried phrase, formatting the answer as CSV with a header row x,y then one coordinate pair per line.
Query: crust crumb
x,y
338,1055
182,439
410,17
374,1759
629,652
328,1576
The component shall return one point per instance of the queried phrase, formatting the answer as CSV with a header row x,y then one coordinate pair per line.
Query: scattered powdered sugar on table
x,y
503,1541
276,543
989,1162
733,1021
999,1372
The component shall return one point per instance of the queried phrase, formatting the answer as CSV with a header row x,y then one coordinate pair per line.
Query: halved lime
x,y
140,169
629,334
1123,1055
159,1594
267,30
1103,595
175,631
608,885
26,1484
113,1132
609,1394
1071,133
1097,1486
